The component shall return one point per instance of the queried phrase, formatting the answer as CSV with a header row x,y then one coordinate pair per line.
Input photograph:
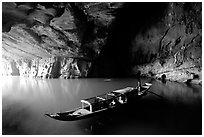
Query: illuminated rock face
x,y
71,33
71,40
173,47
55,67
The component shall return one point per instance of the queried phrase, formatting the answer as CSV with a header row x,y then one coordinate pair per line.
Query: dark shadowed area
x,y
133,18
170,108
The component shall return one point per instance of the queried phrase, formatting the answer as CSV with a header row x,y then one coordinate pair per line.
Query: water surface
x,y
177,109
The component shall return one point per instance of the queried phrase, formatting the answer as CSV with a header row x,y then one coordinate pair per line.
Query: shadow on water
x,y
25,101
148,117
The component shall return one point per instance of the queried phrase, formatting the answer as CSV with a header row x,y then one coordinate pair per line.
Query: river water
x,y
175,108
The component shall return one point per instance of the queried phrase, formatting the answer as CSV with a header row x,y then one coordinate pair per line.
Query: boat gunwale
x,y
75,117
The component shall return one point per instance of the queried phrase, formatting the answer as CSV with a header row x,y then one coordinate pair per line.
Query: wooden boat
x,y
102,103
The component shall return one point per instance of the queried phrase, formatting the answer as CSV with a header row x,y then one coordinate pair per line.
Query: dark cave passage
x,y
133,18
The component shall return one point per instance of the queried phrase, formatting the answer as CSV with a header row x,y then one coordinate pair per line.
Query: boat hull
x,y
67,116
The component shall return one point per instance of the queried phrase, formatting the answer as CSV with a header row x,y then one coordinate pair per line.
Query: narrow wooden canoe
x,y
95,105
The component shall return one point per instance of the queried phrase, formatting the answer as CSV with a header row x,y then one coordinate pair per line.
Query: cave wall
x,y
154,39
116,58
54,67
104,39
73,33
173,46
6,68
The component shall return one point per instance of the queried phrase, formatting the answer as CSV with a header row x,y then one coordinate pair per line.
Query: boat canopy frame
x,y
84,103
101,98
107,97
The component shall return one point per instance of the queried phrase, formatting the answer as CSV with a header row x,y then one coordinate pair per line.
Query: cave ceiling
x,y
38,30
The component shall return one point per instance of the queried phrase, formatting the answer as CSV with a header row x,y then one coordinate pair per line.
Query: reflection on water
x,y
178,92
26,100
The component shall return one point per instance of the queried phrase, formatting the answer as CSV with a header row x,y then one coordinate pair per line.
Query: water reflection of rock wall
x,y
54,67
178,92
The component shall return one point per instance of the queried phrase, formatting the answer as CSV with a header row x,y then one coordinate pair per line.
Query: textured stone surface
x,y
68,32
66,40
55,67
174,49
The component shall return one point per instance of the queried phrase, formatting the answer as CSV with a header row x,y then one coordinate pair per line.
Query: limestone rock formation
x,y
105,39
71,33
173,47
